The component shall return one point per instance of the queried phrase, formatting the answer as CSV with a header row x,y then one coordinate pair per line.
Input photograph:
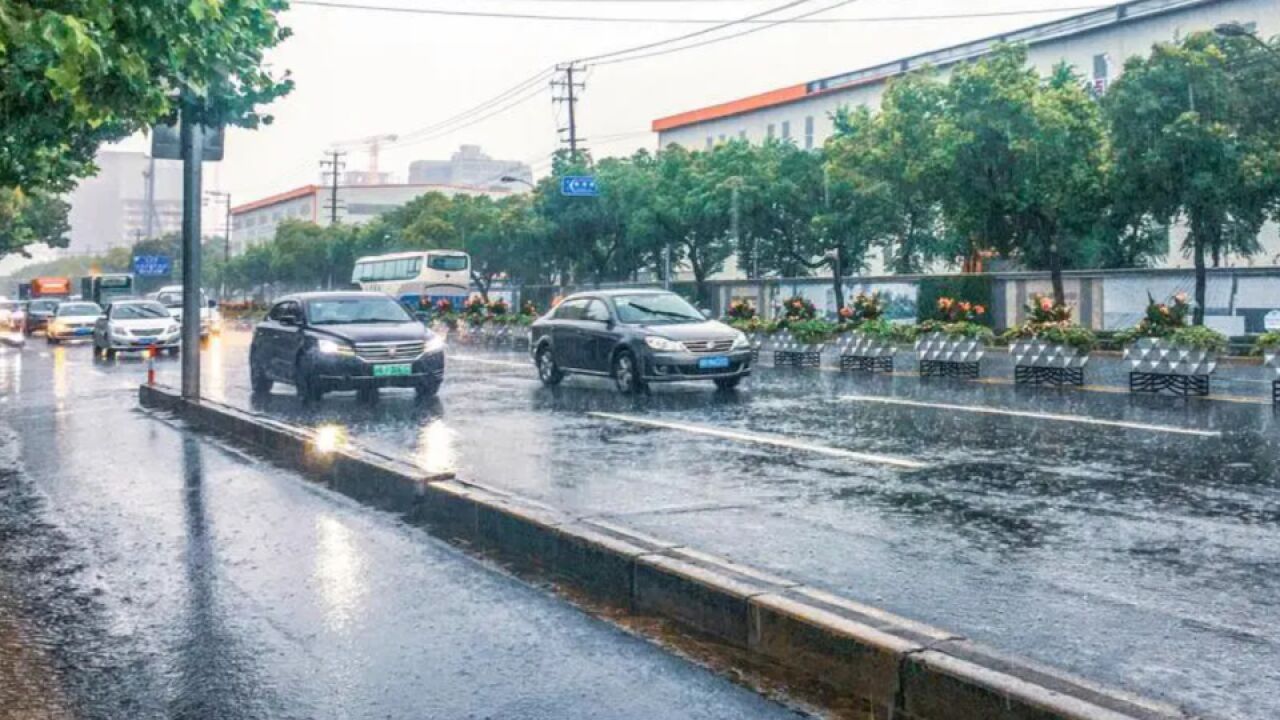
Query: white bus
x,y
417,279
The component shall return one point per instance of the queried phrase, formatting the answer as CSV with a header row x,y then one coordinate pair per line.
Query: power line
x,y
722,38
449,131
522,86
500,15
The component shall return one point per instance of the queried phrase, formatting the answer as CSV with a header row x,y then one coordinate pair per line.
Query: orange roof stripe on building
x,y
294,194
735,107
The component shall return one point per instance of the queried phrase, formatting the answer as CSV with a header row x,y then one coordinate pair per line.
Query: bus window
x,y
448,263
415,267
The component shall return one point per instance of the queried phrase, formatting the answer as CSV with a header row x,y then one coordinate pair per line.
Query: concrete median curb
x,y
896,667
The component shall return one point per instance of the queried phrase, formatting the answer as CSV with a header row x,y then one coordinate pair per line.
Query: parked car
x,y
72,321
136,325
327,341
637,337
39,311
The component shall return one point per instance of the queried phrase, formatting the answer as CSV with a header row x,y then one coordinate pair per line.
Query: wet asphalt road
x,y
146,572
1137,547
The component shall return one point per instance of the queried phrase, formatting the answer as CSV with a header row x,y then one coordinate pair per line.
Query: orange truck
x,y
51,287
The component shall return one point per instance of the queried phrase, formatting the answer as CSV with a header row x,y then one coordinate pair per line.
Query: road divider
x,y
889,666
764,439
1053,417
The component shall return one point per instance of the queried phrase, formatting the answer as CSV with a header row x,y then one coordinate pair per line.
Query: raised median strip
x,y
894,667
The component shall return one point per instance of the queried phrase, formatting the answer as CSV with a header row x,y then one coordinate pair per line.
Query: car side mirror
x,y
706,313
290,320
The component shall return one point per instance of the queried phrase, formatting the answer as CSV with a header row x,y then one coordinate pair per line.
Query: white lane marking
x,y
485,361
762,439
1080,419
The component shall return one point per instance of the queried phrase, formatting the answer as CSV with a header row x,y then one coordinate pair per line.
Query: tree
x,y
1191,142
903,156
76,75
1025,161
779,221
30,218
859,210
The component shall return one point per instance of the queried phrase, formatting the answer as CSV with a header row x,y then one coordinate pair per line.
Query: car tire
x,y
626,373
173,351
548,372
259,381
427,390
302,382
108,353
728,383
50,340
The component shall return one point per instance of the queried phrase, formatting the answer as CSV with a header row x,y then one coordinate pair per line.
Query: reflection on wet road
x,y
146,572
1136,548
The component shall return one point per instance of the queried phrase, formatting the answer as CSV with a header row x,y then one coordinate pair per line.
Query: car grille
x,y
380,352
147,331
708,346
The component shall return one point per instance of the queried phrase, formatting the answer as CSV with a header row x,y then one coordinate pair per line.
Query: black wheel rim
x,y
544,365
626,374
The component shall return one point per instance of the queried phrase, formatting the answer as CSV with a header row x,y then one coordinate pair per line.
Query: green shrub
x,y
812,332
1269,341
891,332
973,289
957,330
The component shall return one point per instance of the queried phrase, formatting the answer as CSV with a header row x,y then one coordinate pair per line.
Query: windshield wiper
x,y
665,313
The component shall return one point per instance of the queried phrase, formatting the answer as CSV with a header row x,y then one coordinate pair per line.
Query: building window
x,y
1101,73
769,131
742,134
786,129
722,137
710,142
808,133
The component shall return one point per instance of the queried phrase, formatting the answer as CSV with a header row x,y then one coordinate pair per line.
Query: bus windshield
x,y
448,263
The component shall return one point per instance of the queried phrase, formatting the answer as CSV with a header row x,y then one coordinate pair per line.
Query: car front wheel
x,y
728,383
626,373
305,384
548,372
427,389
258,378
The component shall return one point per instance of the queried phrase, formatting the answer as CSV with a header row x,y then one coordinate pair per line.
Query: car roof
x,y
336,295
615,292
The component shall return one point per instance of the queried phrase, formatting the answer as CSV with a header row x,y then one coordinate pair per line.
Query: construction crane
x,y
372,145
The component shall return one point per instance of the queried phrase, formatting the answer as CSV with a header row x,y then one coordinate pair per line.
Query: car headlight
x,y
117,330
740,341
434,344
330,347
175,327
662,344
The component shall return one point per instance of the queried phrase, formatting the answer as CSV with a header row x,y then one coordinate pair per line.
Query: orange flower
x,y
979,309
1180,298
965,307
1046,304
846,312
1164,309
944,303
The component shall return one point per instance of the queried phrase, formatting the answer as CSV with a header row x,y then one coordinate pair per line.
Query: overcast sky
x,y
361,72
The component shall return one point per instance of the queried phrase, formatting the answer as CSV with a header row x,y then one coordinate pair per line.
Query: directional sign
x,y
152,265
579,186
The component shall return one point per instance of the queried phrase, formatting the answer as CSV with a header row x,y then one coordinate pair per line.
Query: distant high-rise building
x,y
470,167
131,198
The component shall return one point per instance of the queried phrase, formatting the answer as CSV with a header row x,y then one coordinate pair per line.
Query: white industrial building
x,y
1097,43
130,198
254,223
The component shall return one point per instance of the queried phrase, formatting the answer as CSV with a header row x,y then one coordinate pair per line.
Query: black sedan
x,y
637,337
321,342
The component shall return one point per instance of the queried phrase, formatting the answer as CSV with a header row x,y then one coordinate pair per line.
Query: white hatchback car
x,y
131,325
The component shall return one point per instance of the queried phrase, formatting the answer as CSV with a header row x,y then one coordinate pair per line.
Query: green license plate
x,y
392,370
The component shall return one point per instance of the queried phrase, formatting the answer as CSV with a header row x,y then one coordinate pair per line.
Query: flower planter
x,y
1157,365
865,353
789,352
941,355
1037,362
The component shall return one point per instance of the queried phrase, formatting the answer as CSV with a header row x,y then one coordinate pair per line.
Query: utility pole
x,y
568,86
150,174
334,165
192,165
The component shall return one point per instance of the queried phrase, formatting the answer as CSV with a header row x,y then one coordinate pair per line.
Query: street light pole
x,y
192,136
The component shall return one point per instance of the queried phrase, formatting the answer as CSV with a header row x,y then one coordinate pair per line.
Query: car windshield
x,y
350,311
655,309
139,311
78,309
43,305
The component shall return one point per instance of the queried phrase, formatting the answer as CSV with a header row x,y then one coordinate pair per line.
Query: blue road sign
x,y
579,186
152,265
